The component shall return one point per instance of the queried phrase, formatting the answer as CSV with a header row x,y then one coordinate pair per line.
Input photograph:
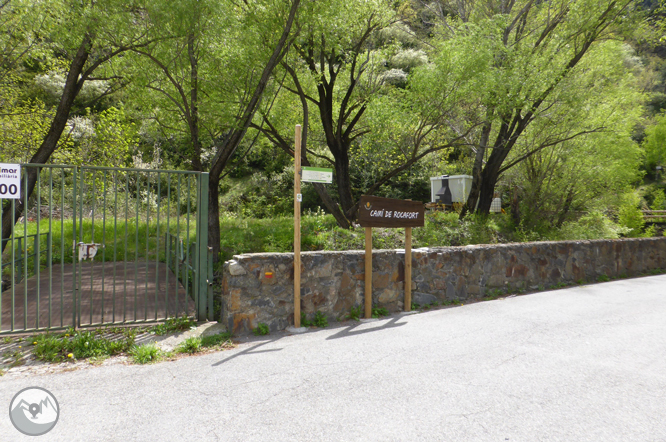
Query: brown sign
x,y
386,212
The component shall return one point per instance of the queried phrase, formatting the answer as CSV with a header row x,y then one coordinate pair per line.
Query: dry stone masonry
x,y
259,287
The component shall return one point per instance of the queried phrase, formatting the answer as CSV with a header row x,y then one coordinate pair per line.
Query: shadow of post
x,y
350,331
250,351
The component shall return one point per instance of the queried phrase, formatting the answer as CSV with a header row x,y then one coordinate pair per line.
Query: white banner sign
x,y
317,175
10,181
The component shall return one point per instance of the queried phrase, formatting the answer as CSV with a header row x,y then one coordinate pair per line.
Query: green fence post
x,y
209,288
202,247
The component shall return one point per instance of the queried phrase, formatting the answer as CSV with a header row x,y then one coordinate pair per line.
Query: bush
x,y
320,320
191,345
378,312
145,354
630,216
594,225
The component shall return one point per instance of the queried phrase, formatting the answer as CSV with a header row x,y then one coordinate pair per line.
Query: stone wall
x,y
259,287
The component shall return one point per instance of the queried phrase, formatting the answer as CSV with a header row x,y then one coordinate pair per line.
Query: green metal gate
x,y
101,246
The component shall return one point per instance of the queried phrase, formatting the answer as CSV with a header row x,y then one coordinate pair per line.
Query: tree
x,y
214,81
90,34
530,54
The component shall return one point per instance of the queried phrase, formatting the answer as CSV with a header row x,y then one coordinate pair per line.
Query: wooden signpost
x,y
297,227
385,212
373,212
306,174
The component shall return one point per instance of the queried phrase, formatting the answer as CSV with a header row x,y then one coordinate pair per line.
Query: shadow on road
x,y
350,331
251,350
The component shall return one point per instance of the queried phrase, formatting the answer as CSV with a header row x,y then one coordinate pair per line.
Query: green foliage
x,y
379,312
261,329
658,199
320,320
594,225
81,345
215,340
190,345
630,215
145,354
655,145
356,312
603,278
171,325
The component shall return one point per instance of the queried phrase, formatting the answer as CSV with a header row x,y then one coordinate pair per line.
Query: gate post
x,y
202,249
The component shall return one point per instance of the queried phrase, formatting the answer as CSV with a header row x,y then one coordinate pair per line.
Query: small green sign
x,y
317,175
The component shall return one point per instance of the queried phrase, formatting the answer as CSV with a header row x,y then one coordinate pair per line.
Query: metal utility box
x,y
447,189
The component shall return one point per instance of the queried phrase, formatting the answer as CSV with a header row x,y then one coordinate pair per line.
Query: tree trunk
x,y
515,207
236,135
194,104
331,205
567,207
477,170
343,182
73,85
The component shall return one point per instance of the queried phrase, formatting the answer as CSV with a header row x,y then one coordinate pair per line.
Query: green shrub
x,y
355,313
630,216
594,225
320,320
481,229
145,354
378,312
304,320
261,329
190,345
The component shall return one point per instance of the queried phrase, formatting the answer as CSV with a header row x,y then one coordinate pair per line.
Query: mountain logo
x,y
34,411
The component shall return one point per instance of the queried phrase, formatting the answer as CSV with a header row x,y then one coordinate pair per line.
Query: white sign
x,y
10,181
317,175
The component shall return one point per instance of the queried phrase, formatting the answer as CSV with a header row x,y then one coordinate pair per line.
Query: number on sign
x,y
12,189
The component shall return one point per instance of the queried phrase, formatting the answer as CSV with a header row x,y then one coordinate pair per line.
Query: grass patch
x,y
171,325
221,339
320,232
80,345
134,239
145,354
190,345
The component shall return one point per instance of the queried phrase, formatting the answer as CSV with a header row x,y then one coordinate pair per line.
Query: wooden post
x,y
408,269
297,227
368,272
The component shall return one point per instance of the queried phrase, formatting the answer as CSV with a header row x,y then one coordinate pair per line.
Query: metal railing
x,y
180,259
23,253
654,216
123,215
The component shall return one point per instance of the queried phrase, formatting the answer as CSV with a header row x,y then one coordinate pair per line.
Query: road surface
x,y
579,364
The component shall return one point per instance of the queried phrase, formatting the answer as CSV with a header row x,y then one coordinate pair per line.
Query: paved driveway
x,y
585,363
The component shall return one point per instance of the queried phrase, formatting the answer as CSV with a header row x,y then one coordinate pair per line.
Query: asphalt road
x,y
585,363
